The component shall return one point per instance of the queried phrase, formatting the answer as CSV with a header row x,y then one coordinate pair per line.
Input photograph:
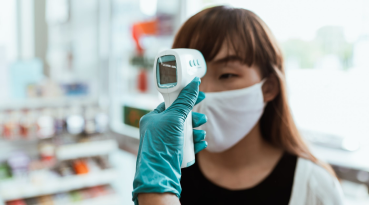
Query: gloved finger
x,y
200,146
160,108
186,99
200,97
198,135
198,119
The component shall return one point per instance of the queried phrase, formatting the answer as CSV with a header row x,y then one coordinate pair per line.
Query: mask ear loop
x,y
263,81
261,86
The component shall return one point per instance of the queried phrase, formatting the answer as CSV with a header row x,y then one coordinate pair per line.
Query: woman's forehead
x,y
225,50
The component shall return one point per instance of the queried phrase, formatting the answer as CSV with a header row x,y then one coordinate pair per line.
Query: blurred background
x,y
76,76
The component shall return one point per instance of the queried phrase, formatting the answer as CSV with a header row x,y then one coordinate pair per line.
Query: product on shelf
x,y
45,124
61,199
32,201
47,151
18,162
80,167
17,202
102,161
96,120
1,123
76,196
27,124
75,89
64,169
142,80
46,200
59,120
73,196
11,125
90,126
92,165
102,120
40,172
5,172
75,122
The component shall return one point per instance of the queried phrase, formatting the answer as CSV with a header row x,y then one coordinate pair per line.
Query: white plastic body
x,y
185,74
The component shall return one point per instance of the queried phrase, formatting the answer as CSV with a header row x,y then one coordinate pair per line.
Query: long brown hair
x,y
253,42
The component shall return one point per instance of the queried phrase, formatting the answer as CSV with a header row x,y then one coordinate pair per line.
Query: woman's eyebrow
x,y
227,59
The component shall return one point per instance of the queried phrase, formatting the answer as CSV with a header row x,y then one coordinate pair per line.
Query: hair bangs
x,y
208,33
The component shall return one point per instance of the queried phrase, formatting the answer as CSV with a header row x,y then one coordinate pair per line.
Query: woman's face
x,y
226,72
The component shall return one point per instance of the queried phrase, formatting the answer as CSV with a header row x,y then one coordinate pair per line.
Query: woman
x,y
255,154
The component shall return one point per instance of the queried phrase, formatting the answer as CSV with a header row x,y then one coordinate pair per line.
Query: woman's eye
x,y
227,75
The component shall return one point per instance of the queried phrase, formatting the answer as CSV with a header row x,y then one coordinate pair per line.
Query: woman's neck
x,y
250,151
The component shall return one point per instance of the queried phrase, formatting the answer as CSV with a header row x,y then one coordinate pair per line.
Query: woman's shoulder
x,y
315,184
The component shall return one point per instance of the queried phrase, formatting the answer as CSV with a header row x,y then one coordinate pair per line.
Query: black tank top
x,y
275,189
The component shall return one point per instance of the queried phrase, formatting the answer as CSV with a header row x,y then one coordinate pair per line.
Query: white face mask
x,y
231,115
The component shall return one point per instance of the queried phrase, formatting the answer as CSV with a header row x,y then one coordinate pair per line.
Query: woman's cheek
x,y
235,83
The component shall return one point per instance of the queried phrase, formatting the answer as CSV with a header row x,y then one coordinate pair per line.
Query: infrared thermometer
x,y
174,69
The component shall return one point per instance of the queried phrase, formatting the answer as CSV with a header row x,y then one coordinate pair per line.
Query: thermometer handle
x,y
188,145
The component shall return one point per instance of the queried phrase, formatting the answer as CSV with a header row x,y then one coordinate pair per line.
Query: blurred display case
x,y
55,142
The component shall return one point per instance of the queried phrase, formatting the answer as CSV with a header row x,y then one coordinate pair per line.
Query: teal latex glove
x,y
159,159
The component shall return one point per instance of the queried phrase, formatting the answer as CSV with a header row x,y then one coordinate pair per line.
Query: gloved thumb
x,y
186,99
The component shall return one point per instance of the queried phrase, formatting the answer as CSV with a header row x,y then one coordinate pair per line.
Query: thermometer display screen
x,y
167,71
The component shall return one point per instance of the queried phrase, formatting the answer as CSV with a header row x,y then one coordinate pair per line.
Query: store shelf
x,y
86,149
18,189
47,102
106,200
126,130
146,101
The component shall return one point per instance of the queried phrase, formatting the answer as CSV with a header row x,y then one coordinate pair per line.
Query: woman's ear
x,y
270,88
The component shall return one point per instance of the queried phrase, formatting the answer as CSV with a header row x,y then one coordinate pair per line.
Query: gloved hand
x,y
159,159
